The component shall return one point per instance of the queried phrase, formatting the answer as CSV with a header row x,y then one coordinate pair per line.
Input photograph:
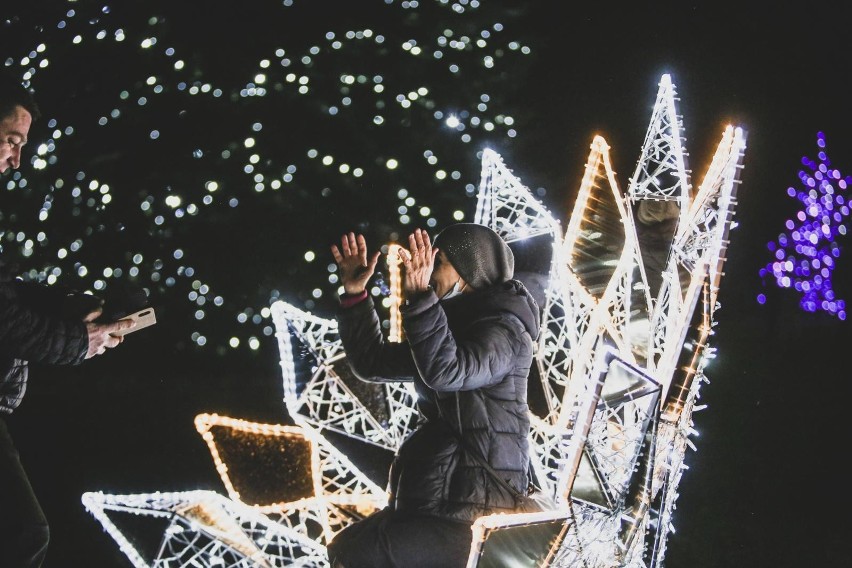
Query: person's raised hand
x,y
101,335
419,262
356,268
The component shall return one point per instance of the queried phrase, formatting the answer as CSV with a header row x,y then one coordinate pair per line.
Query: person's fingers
x,y
418,236
335,252
93,315
424,244
353,244
362,249
119,325
344,244
403,255
413,252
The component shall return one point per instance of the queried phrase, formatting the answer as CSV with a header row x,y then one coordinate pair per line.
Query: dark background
x,y
764,487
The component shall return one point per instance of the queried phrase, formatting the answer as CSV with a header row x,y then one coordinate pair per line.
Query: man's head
x,y
18,110
476,254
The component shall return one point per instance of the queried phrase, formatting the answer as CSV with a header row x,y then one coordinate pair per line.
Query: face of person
x,y
444,276
13,135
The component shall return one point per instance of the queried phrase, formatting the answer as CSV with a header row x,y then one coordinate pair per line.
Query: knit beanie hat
x,y
480,256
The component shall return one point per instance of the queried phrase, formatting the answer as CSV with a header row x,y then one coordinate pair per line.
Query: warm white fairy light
x,y
330,495
204,423
204,528
488,523
394,263
322,497
326,401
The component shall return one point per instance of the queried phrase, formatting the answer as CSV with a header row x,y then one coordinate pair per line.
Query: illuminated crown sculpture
x,y
628,309
634,278
638,273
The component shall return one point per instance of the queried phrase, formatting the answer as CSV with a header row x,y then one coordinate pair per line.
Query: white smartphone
x,y
143,318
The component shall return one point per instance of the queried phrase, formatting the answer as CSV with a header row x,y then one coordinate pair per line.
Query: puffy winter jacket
x,y
469,358
33,329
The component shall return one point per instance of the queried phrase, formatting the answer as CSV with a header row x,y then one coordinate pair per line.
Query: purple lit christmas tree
x,y
805,255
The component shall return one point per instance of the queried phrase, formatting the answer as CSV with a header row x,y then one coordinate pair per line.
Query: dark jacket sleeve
x,y
26,333
371,357
481,357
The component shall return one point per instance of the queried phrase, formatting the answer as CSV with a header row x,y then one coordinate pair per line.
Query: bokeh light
x,y
172,159
804,256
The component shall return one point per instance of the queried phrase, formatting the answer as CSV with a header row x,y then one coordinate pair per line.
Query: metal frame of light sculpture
x,y
610,483
340,493
689,292
661,172
557,446
326,402
676,428
484,527
575,318
697,253
611,490
507,206
602,311
205,529
624,415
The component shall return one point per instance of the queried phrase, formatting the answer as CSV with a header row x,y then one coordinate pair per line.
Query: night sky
x,y
764,487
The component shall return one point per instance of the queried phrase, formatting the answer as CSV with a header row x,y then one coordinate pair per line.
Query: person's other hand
x,y
101,335
419,262
352,261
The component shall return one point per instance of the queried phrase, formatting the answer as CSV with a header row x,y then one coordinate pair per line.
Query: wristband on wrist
x,y
349,300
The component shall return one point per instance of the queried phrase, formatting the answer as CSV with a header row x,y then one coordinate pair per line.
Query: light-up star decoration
x,y
805,254
628,308
198,528
290,473
289,492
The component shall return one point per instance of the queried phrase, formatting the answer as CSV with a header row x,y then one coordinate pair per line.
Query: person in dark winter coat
x,y
36,324
470,330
